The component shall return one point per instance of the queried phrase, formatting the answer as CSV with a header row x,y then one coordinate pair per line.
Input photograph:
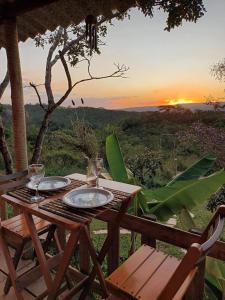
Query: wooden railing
x,y
152,231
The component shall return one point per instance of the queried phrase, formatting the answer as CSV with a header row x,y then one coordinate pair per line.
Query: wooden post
x,y
18,111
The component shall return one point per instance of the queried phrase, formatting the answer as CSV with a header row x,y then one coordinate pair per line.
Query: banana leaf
x,y
197,170
115,159
119,172
215,273
192,194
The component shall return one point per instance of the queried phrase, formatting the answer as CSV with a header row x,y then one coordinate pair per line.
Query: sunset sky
x,y
165,67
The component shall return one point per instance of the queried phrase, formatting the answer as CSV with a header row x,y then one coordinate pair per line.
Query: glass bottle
x,y
92,176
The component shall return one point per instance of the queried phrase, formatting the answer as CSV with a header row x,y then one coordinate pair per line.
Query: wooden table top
x,y
61,220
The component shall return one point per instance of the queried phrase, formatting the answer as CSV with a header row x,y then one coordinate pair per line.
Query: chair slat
x,y
144,272
152,288
130,265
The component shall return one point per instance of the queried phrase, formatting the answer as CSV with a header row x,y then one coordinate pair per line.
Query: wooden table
x,y
76,221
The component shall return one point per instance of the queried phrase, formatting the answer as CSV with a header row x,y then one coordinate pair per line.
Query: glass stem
x,y
97,182
36,193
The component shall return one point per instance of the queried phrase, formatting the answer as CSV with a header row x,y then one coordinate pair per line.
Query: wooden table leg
x,y
3,210
114,228
64,263
97,262
113,253
39,251
83,254
62,236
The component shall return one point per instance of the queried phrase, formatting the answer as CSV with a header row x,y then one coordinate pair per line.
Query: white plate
x,y
88,197
51,183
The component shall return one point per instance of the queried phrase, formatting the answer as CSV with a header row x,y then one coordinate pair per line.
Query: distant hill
x,y
63,116
191,106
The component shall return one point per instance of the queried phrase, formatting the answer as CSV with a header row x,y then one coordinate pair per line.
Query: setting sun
x,y
179,101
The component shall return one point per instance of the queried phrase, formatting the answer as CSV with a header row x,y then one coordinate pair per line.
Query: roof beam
x,y
9,9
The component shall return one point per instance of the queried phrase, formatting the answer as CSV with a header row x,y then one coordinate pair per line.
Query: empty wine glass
x,y
36,173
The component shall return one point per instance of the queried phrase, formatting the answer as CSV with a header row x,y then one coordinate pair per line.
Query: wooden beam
x,y
18,111
13,9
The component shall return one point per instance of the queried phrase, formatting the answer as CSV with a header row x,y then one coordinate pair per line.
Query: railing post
x,y
146,239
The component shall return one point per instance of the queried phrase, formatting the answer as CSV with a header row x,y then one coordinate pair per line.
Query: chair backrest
x,y
195,255
9,183
12,181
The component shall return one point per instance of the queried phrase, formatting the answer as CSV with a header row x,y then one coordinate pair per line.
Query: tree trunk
x,y
5,150
40,137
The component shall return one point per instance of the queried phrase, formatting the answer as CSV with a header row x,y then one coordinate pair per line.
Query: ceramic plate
x,y
51,183
88,197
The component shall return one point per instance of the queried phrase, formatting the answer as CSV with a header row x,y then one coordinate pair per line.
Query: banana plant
x,y
185,191
119,172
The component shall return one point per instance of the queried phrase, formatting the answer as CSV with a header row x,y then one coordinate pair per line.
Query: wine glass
x,y
36,172
99,168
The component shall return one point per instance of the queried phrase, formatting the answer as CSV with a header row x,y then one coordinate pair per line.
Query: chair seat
x,y
16,227
144,275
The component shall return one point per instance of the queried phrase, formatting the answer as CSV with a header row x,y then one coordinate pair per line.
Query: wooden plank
x,y
152,287
130,265
145,270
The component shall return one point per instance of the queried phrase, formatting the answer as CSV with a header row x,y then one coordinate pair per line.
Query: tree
x,y
144,166
218,72
72,47
72,44
208,139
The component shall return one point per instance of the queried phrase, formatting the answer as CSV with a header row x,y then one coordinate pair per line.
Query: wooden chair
x,y
14,231
151,274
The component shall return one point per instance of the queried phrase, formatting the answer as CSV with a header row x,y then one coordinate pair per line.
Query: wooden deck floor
x,y
32,290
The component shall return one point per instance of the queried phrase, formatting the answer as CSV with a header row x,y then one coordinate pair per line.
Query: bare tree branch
x,y
118,73
66,69
48,73
34,86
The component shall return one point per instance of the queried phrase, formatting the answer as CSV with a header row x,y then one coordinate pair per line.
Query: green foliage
x,y
119,172
197,170
217,199
177,10
187,194
145,165
215,277
115,159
